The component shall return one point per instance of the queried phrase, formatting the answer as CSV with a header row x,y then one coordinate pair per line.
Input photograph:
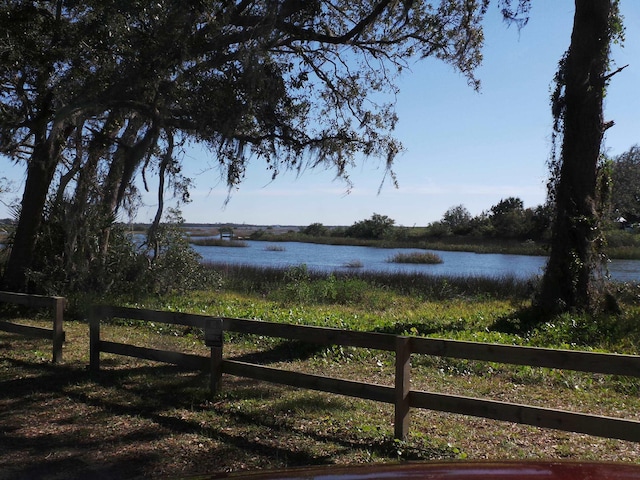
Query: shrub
x,y
297,284
316,230
344,290
176,267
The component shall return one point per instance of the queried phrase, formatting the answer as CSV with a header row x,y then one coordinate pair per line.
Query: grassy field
x,y
140,419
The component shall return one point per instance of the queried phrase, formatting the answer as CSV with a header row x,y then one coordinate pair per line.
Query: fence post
x,y
94,340
213,338
402,387
58,332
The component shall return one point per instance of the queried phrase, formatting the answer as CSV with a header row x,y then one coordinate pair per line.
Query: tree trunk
x,y
42,166
568,282
127,158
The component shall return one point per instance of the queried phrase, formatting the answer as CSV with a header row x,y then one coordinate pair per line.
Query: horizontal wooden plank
x,y
379,393
524,414
29,300
185,360
158,316
317,335
536,357
27,330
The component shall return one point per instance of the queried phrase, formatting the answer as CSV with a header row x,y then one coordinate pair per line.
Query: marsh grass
x,y
354,264
451,243
263,280
218,242
427,258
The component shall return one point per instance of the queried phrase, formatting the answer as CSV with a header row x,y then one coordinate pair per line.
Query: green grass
x,y
140,418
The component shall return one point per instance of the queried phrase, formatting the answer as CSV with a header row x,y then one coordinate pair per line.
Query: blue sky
x,y
461,146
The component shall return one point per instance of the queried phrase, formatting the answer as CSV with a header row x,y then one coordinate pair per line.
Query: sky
x,y
461,146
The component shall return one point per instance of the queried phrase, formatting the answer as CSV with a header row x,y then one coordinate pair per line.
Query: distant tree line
x,y
509,219
624,171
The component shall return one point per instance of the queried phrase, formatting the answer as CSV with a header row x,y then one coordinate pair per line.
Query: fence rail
x,y
400,394
55,334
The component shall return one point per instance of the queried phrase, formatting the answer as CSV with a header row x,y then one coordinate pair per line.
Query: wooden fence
x,y
56,333
400,395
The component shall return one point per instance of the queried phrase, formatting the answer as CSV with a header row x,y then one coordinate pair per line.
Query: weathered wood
x,y
592,362
213,334
56,334
39,301
214,338
216,370
402,387
26,330
400,395
317,335
185,360
379,393
94,340
524,414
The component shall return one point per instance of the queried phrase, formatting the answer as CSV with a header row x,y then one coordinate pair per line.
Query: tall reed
x,y
252,279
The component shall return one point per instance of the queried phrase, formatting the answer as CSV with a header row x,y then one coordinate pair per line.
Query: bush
x,y
297,284
98,257
438,229
376,227
339,290
175,266
316,230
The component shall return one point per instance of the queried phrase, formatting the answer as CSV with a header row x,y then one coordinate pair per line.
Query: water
x,y
335,258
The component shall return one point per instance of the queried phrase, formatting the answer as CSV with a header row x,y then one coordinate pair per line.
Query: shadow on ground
x,y
62,421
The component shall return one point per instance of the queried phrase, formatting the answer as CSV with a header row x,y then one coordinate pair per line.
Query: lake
x,y
330,258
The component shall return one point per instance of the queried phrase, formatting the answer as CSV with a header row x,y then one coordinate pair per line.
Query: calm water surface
x,y
336,258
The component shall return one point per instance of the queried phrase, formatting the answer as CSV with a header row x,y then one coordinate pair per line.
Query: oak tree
x,y
572,278
96,93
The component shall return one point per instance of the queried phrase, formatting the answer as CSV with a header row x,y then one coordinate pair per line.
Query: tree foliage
x,y
508,219
316,230
96,93
625,178
376,227
458,219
